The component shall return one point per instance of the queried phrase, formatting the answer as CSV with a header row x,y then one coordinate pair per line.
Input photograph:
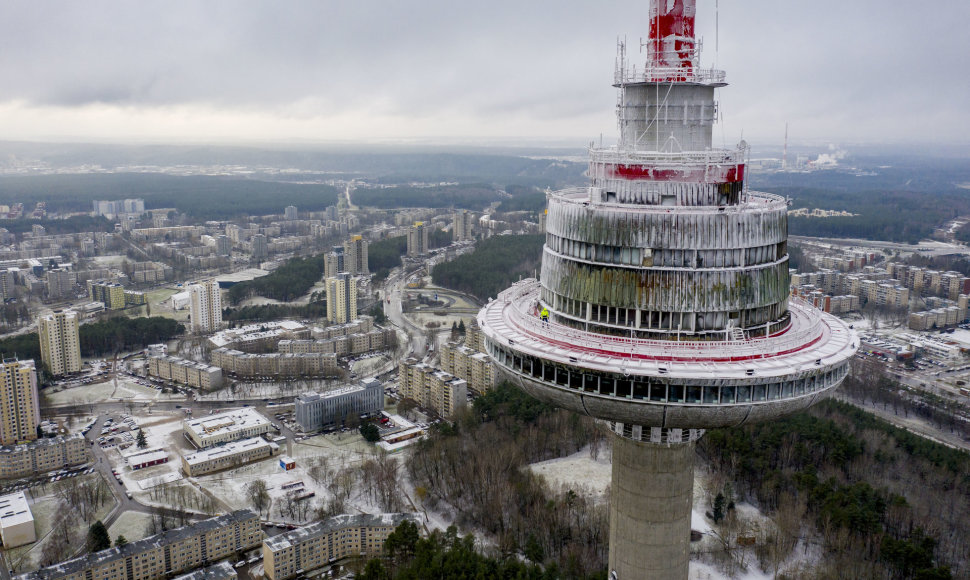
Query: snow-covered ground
x,y
126,389
332,452
584,474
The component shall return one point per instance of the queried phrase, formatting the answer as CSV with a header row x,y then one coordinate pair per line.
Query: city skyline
x,y
246,72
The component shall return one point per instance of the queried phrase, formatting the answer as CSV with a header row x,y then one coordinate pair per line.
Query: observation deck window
x,y
562,376
787,390
759,393
641,390
607,385
710,395
676,394
774,391
623,388
727,395
693,394
800,387
591,383
744,393
575,380
658,392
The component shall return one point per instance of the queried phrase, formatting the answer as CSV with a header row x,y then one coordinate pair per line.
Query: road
x,y
103,465
393,291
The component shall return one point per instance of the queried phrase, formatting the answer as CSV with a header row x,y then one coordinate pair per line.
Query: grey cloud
x,y
871,66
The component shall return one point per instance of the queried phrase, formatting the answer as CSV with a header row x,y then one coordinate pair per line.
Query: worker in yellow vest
x,y
544,316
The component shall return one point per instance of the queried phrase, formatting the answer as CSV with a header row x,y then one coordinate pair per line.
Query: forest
x,y
885,194
488,487
469,196
385,255
108,336
523,198
267,312
493,266
202,197
291,280
883,502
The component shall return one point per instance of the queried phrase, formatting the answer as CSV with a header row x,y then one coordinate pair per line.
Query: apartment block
x,y
305,549
60,284
19,402
60,345
341,345
205,306
418,236
111,294
463,222
241,364
432,388
355,256
42,456
341,298
162,555
186,372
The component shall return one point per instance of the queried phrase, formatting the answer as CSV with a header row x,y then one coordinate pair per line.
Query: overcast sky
x,y
240,70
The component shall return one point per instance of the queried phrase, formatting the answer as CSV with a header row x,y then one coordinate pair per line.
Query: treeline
x,y
884,502
70,225
880,214
202,197
456,196
106,336
523,199
267,312
291,280
124,334
489,487
449,556
493,266
956,263
385,255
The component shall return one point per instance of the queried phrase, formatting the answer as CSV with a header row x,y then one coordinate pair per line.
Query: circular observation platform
x,y
650,387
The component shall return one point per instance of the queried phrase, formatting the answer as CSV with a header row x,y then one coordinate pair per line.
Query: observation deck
x,y
667,384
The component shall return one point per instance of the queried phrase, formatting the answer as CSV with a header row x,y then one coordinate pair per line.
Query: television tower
x,y
667,289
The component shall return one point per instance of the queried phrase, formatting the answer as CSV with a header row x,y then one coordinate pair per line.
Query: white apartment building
x,y
60,345
205,306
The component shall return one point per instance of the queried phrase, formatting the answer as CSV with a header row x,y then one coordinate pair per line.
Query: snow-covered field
x,y
126,390
132,525
334,452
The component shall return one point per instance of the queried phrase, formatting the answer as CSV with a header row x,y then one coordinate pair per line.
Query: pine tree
x,y
140,440
718,508
461,327
120,541
98,538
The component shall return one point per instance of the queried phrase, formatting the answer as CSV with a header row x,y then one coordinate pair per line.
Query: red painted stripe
x,y
638,172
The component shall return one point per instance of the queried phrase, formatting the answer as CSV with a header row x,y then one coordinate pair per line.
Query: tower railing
x,y
655,74
673,159
521,309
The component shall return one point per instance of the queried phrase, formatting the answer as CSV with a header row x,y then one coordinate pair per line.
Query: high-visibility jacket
x,y
544,314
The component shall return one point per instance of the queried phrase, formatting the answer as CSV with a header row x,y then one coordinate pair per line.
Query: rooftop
x,y
14,510
228,449
226,422
79,565
311,531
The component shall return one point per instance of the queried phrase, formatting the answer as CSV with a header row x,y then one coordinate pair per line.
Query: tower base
x,y
650,509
